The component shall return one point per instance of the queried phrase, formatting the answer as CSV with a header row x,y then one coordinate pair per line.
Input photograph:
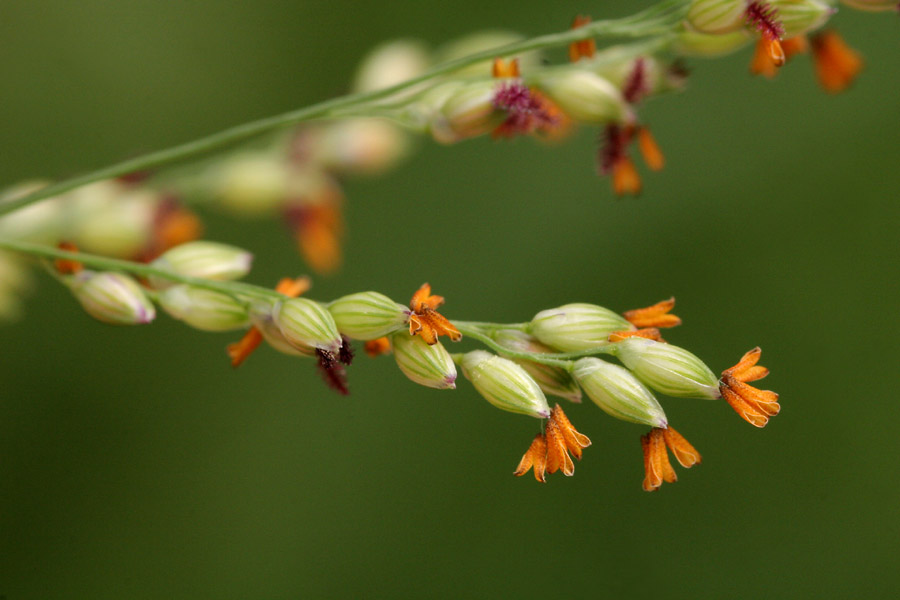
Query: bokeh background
x,y
134,462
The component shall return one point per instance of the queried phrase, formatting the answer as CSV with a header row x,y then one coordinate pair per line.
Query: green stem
x,y
545,359
232,288
656,20
491,327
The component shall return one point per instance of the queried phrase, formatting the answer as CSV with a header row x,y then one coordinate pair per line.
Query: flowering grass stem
x,y
660,19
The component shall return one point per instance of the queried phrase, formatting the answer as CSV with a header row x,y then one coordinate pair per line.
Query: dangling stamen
x,y
650,151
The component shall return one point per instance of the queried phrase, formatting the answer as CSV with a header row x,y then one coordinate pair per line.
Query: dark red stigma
x,y
613,142
525,111
635,87
765,18
333,373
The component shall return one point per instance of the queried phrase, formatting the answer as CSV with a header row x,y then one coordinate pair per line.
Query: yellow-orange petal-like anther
x,y
536,457
582,48
837,64
549,452
502,68
319,235
625,177
239,351
762,63
753,405
654,316
775,50
650,151
650,333
574,440
426,321
377,347
557,451
657,467
684,452
794,46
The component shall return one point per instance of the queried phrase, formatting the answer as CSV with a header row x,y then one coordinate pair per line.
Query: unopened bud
x,y
251,183
308,324
504,384
716,16
709,45
618,392
584,96
469,111
389,64
428,365
204,309
554,381
799,16
367,315
207,260
112,298
575,327
668,369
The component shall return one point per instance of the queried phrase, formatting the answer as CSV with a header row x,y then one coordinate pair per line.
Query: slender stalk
x,y
546,359
656,20
232,288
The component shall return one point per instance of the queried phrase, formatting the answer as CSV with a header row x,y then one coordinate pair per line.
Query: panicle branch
x,y
556,353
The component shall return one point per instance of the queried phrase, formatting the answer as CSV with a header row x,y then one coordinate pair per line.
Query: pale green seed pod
x,y
428,365
113,298
576,327
111,218
389,64
366,146
468,111
872,5
204,309
504,384
716,16
800,16
40,223
584,96
708,45
250,183
307,324
368,315
668,369
207,260
618,392
554,381
262,317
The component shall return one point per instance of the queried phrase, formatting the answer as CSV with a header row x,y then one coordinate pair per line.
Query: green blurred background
x,y
135,463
